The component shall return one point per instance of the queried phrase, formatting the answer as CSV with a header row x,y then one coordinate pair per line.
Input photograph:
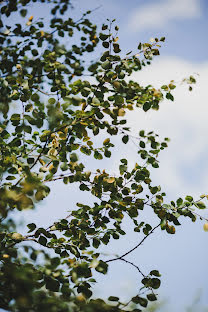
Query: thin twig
x,y
139,244
134,265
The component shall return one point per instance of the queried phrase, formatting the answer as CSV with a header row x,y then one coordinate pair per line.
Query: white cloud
x,y
159,14
183,167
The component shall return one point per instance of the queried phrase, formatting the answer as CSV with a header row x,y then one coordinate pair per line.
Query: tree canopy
x,y
56,115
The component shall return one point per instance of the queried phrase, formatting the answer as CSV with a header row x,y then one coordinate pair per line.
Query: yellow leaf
x,y
120,215
110,180
203,196
62,136
56,274
156,93
30,18
13,93
42,33
50,167
205,227
106,141
89,143
81,297
94,263
84,105
52,152
53,228
116,84
43,169
115,39
87,174
17,236
122,203
42,162
121,112
71,261
130,106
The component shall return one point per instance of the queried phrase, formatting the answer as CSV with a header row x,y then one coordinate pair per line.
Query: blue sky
x,y
183,24
181,258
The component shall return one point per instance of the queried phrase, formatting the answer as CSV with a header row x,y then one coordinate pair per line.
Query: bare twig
x,y
134,265
139,244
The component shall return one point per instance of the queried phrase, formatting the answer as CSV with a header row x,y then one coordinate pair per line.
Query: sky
x,y
181,258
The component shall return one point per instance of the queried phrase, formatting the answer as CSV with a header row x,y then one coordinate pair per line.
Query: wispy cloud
x,y
159,14
183,165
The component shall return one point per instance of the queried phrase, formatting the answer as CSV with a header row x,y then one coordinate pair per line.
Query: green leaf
x,y
85,150
125,139
51,101
146,106
31,227
140,300
107,153
151,297
52,284
104,27
189,198
116,48
169,96
35,53
42,240
141,133
142,144
23,12
27,129
84,187
112,298
106,65
155,273
95,242
95,101
10,178
85,290
200,205
73,157
102,267
74,251
118,99
98,155
179,202
124,161
55,262
106,44
155,283
139,46
103,37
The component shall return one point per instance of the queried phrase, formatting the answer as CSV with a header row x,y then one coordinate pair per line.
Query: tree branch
x,y
134,265
128,252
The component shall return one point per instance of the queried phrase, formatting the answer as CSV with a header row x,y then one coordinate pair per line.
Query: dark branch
x,y
134,265
139,244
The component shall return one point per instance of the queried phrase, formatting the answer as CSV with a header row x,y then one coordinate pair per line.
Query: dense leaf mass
x,y
53,107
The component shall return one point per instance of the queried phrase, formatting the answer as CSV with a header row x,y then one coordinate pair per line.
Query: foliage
x,y
50,115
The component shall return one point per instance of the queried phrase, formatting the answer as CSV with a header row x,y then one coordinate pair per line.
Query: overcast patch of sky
x,y
161,13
